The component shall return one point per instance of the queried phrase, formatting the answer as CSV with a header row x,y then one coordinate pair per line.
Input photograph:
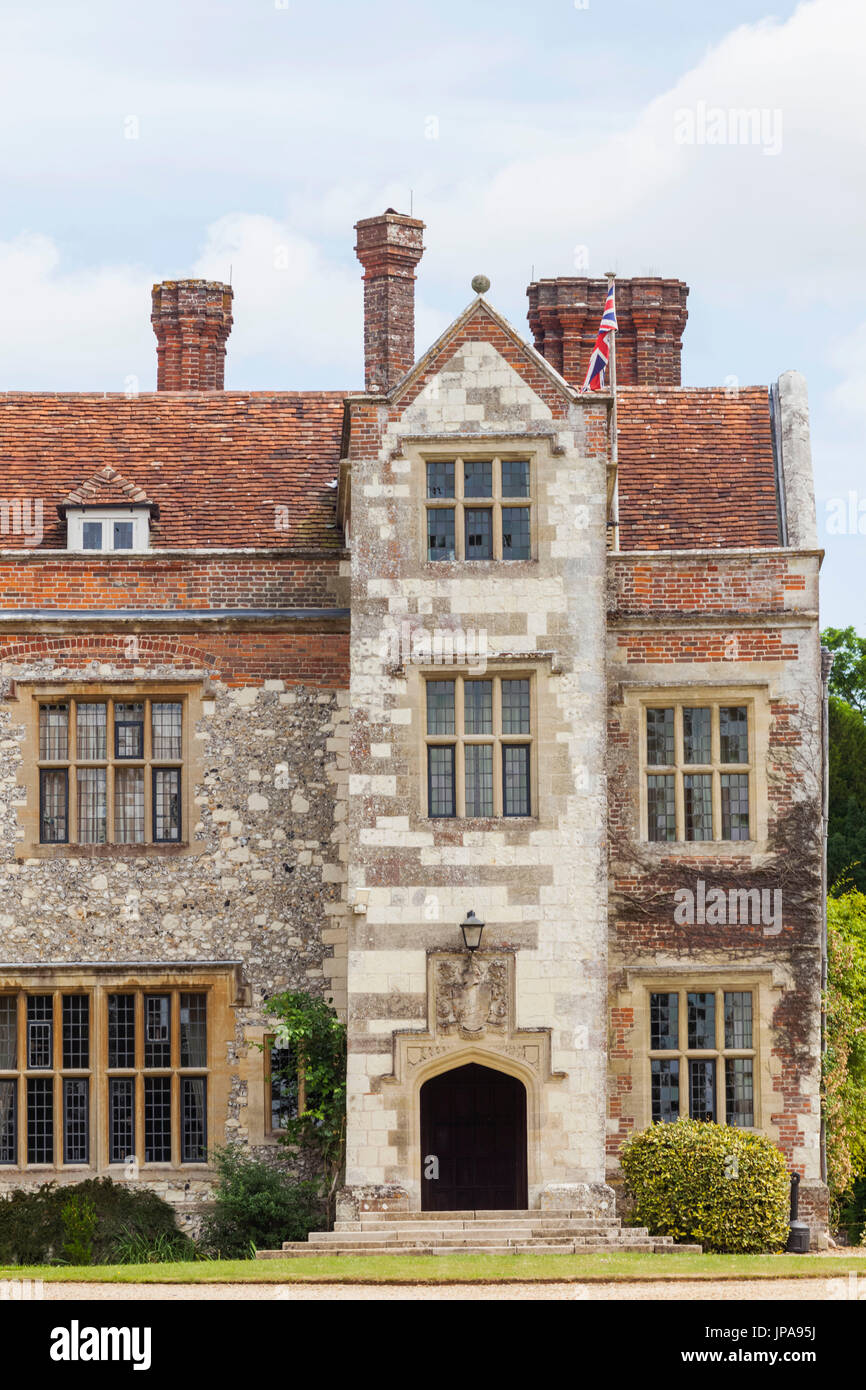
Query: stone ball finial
x,y
480,284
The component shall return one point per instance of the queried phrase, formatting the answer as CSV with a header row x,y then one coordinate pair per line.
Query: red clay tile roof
x,y
106,489
217,464
695,468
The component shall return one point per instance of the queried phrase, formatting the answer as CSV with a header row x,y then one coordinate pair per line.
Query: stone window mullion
x,y
493,504
459,516
679,785
498,790
460,735
139,1076
717,780
496,487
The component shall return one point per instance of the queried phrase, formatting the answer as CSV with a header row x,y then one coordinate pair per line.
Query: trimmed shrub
x,y
257,1205
34,1230
79,1222
717,1186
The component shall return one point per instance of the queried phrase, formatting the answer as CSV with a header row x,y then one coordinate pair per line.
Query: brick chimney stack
x,y
192,320
389,247
564,315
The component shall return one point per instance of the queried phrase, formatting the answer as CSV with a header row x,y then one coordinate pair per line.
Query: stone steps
x,y
300,1249
477,1217
469,1232
486,1232
468,1242
537,1219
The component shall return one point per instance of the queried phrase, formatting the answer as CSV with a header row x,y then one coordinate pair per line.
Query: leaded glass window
x,y
99,1061
478,509
479,747
665,1078
111,771
699,772
705,1036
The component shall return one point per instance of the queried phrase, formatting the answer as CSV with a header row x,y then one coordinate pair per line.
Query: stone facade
x,y
413,879
248,906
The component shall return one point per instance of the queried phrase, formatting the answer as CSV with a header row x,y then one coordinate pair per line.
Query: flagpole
x,y
614,450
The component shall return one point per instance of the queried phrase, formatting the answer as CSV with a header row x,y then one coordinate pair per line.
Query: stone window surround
x,y
486,450
32,693
755,696
495,671
641,984
222,984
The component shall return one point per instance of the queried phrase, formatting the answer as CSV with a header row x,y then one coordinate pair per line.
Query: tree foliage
x,y
844,1082
846,838
846,835
848,676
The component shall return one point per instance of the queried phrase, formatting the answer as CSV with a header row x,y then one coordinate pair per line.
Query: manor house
x,y
314,690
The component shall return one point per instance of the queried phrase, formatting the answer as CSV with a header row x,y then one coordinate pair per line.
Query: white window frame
x,y
77,516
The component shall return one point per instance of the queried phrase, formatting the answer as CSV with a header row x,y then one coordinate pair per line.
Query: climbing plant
x,y
314,1040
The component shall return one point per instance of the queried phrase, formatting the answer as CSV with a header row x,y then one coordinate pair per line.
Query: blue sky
x,y
146,142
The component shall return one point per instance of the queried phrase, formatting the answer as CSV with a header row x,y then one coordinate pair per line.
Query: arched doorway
x,y
473,1124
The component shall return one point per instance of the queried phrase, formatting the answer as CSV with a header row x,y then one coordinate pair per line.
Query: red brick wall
x,y
731,584
644,878
246,657
146,581
672,645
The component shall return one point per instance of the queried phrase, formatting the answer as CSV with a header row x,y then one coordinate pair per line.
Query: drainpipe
x,y
826,667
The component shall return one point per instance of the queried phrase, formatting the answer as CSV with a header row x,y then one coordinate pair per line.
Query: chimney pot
x,y
192,320
564,315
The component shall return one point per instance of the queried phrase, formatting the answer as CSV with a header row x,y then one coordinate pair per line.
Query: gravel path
x,y
766,1289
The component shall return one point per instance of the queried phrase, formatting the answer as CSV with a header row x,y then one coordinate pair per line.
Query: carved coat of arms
x,y
471,995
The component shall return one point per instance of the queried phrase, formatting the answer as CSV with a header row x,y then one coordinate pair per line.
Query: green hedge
x,y
43,1224
721,1187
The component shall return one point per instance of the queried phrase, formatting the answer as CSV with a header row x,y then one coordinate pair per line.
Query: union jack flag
x,y
598,362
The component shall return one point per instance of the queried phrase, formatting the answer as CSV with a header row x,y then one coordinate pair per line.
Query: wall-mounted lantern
x,y
471,927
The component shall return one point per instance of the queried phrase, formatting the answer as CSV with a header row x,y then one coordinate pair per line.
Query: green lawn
x,y
348,1269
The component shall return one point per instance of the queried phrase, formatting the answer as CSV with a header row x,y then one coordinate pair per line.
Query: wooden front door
x,y
473,1121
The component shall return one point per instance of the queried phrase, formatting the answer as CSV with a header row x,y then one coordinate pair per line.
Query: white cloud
x,y
70,330
731,215
849,358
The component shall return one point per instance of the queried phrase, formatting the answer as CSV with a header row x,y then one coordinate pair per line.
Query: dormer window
x,y
108,514
98,529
